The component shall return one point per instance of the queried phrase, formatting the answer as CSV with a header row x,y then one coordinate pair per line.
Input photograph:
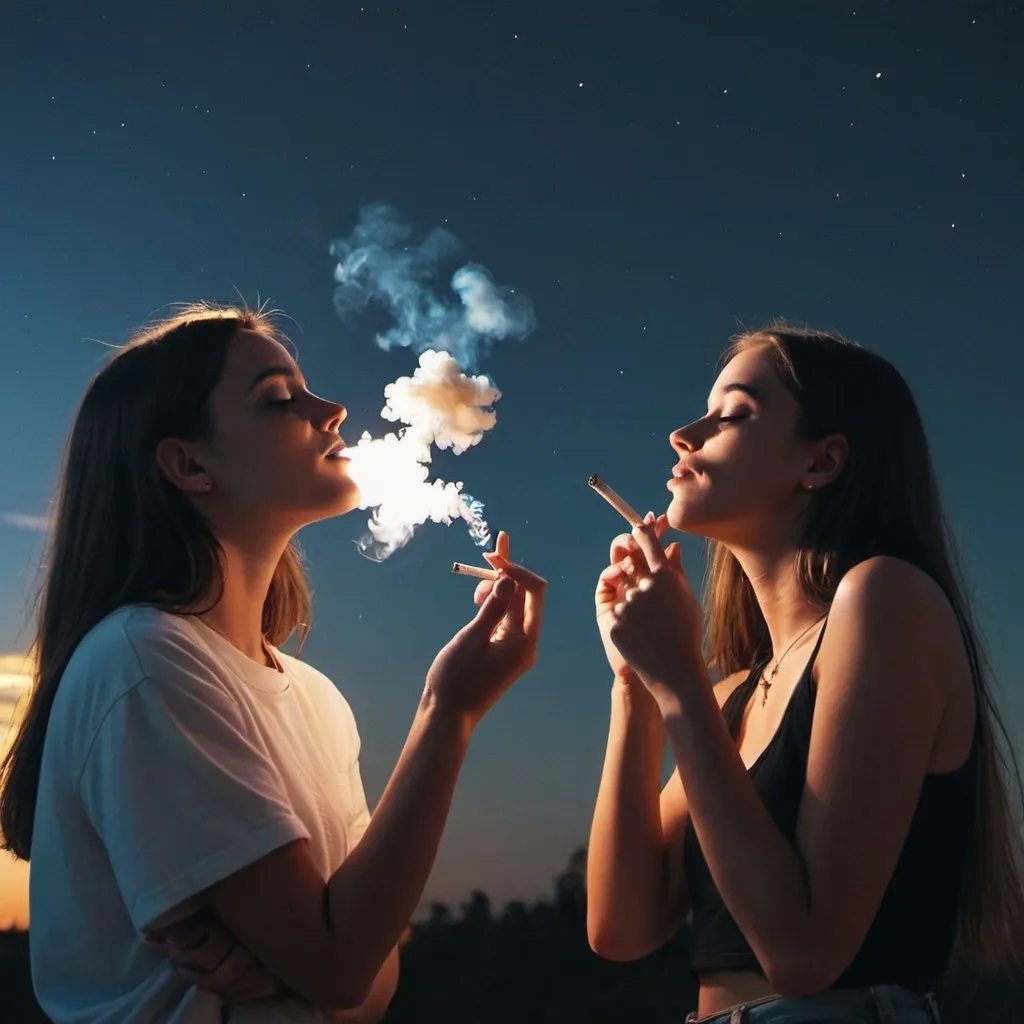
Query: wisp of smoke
x,y
440,405
376,265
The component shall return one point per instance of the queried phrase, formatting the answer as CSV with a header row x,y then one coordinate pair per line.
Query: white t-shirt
x,y
171,761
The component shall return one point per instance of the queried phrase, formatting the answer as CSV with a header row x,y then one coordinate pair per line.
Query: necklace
x,y
766,683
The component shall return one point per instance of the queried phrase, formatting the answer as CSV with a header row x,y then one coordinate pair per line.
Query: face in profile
x,y
271,457
742,468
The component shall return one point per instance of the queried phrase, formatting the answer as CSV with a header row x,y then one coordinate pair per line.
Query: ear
x,y
177,461
828,457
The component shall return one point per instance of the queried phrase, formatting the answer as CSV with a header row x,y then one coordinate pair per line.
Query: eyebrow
x,y
272,371
748,389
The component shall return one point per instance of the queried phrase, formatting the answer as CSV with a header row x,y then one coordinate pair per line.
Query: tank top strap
x,y
817,647
734,704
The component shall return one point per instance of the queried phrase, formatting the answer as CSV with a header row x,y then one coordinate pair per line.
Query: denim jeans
x,y
877,1004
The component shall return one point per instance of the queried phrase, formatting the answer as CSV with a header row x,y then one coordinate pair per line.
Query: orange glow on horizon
x,y
15,677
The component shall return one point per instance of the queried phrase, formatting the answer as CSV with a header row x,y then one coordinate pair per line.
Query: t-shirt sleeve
x,y
180,793
361,818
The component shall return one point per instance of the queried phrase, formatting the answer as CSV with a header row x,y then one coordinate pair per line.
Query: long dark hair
x,y
885,502
122,534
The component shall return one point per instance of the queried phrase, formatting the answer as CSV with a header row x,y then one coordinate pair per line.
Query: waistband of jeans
x,y
887,998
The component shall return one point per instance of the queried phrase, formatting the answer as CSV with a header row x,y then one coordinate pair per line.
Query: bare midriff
x,y
722,990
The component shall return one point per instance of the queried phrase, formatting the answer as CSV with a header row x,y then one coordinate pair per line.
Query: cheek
x,y
765,472
260,464
753,472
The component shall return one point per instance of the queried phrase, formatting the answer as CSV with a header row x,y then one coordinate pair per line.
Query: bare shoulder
x,y
887,580
893,604
892,626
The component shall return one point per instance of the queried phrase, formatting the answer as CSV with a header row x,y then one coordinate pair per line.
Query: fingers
x,y
208,955
530,580
649,544
501,549
533,586
502,545
494,607
239,970
621,546
514,623
199,947
625,544
674,555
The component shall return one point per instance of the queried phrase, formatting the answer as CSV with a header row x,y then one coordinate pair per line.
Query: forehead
x,y
249,354
752,366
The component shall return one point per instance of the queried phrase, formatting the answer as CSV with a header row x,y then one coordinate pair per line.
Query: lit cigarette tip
x,y
622,507
474,570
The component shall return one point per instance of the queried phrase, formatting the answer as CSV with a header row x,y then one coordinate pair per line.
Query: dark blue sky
x,y
652,175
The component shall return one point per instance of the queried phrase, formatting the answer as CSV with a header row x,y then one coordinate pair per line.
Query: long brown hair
x,y
885,502
122,534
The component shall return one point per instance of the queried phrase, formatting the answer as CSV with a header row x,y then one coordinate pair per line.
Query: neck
x,y
248,569
786,608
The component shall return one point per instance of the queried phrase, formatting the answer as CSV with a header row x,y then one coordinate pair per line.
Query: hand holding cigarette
x,y
499,563
489,653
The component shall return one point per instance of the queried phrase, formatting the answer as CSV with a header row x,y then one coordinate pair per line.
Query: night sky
x,y
653,176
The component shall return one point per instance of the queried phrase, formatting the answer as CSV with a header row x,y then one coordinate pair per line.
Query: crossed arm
x,y
207,954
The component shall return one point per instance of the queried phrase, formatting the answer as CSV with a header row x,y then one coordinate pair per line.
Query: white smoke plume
x,y
440,405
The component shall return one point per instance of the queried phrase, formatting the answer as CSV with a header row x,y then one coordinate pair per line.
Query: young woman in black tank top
x,y
838,822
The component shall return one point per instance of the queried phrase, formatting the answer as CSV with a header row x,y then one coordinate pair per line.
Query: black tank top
x,y
911,937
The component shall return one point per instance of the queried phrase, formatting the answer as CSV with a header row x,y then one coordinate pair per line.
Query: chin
x,y
336,501
347,501
687,517
680,517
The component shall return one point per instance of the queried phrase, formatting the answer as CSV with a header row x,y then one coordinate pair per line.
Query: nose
x,y
686,439
331,416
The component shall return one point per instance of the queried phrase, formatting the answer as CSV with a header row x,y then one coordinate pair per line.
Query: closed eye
x,y
733,419
282,401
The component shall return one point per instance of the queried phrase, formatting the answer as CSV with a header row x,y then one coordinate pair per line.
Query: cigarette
x,y
475,570
625,510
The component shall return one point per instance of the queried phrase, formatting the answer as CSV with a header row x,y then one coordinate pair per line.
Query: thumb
x,y
494,607
674,555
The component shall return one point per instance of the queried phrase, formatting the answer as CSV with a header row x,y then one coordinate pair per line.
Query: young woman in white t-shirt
x,y
175,776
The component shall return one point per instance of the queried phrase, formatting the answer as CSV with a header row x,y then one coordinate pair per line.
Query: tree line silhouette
x,y
531,963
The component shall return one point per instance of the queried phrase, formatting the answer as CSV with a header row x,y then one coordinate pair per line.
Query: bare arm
x,y
329,942
207,954
373,1008
889,664
636,886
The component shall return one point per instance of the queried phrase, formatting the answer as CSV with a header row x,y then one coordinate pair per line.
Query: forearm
x,y
758,872
374,893
373,1008
626,879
